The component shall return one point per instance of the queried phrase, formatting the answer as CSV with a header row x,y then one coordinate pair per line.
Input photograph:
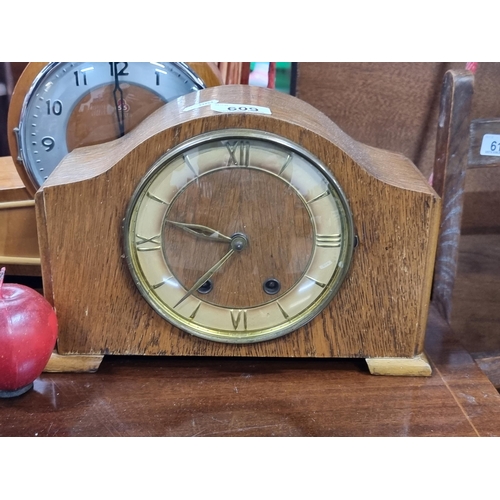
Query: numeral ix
x,y
154,240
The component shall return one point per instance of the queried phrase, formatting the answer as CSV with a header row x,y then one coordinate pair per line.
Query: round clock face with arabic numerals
x,y
238,236
74,104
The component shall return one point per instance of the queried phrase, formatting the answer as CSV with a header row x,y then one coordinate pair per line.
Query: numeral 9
x,y
49,143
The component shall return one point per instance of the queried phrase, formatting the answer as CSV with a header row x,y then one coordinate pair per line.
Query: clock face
x,y
238,236
74,104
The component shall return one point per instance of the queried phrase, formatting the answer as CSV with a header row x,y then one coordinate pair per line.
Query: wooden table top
x,y
152,396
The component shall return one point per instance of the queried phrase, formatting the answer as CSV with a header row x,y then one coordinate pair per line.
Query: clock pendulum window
x,y
226,226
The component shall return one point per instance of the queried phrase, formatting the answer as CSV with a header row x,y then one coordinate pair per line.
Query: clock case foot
x,y
75,363
417,366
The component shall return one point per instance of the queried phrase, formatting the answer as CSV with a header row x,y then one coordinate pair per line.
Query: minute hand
x,y
119,104
206,276
204,232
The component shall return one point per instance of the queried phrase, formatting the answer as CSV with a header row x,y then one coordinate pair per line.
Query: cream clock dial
x,y
238,236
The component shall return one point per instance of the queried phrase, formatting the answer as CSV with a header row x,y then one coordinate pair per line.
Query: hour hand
x,y
204,232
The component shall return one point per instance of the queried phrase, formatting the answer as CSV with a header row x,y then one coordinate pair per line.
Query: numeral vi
x,y
236,318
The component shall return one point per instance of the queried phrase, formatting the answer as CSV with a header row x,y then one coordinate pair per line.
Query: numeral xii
x,y
239,153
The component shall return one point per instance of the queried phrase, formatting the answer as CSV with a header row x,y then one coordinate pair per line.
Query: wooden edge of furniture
x,y
234,72
18,232
12,187
452,144
489,362
208,72
417,366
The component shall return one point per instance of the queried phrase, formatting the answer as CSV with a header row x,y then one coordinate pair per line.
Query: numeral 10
x,y
55,107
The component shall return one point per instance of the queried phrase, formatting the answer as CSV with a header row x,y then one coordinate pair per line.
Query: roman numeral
x,y
236,319
193,314
155,198
321,285
153,240
322,195
285,315
161,283
243,158
287,162
187,161
328,240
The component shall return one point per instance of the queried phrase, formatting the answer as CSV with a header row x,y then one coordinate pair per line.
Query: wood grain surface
x,y
18,233
392,106
380,311
178,396
11,186
208,72
481,201
476,296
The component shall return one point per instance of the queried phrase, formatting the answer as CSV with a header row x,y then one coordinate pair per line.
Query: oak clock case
x,y
203,198
65,105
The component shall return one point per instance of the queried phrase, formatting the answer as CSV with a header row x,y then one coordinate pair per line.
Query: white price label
x,y
490,146
240,108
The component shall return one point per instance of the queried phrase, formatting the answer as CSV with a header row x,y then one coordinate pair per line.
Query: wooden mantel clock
x,y
240,221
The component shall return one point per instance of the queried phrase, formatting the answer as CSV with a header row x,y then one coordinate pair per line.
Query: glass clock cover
x,y
238,236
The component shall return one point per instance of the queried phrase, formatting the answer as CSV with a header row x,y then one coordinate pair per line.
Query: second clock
x,y
61,106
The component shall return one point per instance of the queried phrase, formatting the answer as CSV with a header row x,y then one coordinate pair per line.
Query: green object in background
x,y
283,75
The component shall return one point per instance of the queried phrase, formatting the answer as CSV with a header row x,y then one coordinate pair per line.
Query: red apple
x,y
28,333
